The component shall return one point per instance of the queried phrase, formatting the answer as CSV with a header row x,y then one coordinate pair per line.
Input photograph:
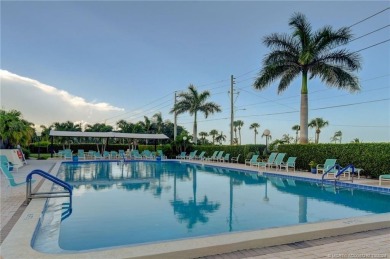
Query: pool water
x,y
132,203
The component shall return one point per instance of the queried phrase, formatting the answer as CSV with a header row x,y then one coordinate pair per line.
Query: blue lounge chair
x,y
225,158
182,155
211,158
270,161
290,163
4,162
67,154
278,160
329,163
161,154
8,175
235,159
81,154
192,155
201,156
218,157
252,161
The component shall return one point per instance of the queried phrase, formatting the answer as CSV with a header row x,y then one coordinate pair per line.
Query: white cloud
x,y
45,104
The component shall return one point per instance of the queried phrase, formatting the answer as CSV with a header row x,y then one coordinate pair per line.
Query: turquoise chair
x,y
225,158
218,157
5,169
192,155
211,158
182,155
270,161
290,163
161,154
329,163
201,156
278,160
252,161
81,154
5,162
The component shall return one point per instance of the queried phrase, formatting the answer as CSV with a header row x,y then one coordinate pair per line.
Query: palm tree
x,y
296,128
203,136
355,140
14,130
255,126
318,124
158,121
194,102
221,138
213,133
239,124
310,54
338,135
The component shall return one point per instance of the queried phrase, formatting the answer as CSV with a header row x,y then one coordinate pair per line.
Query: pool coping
x,y
18,242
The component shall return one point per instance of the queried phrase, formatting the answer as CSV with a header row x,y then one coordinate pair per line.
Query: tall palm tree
x,y
255,126
194,102
239,124
309,54
318,124
213,133
296,128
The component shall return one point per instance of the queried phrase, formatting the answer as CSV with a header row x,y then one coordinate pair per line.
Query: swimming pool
x,y
124,204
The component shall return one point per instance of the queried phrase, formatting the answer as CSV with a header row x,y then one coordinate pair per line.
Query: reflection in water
x,y
170,200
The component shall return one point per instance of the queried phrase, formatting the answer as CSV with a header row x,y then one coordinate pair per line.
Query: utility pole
x,y
175,122
232,108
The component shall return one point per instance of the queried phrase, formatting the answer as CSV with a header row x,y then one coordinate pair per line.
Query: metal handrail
x,y
66,186
340,171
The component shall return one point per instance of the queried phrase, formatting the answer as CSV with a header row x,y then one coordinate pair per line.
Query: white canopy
x,y
55,133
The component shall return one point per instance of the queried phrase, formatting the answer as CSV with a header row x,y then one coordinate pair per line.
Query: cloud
x,y
45,104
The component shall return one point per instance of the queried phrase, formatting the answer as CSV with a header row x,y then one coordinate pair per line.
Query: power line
x,y
365,19
373,45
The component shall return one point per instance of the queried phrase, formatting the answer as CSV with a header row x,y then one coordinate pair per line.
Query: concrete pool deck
x,y
339,239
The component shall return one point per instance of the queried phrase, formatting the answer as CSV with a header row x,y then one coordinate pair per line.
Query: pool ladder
x,y
340,170
67,192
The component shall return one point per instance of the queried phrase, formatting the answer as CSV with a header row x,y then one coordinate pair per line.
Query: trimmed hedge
x,y
374,158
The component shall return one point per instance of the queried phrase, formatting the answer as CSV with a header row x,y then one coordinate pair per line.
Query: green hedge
x,y
374,158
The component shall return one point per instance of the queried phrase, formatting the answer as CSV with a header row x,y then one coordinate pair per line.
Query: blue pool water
x,y
118,204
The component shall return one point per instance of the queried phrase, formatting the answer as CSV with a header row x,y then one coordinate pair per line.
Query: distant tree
x,y
203,136
98,127
286,139
296,128
214,133
318,124
221,138
255,126
239,124
338,135
311,55
356,140
158,121
194,102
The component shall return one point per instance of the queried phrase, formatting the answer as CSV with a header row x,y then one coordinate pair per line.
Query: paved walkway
x,y
369,244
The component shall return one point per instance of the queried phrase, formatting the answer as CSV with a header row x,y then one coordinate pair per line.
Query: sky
x,y
104,61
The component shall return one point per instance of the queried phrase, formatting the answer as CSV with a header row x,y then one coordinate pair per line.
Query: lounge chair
x,y
81,154
121,154
192,155
4,162
97,155
252,161
182,155
161,154
147,154
135,154
289,163
384,177
225,158
329,163
5,169
113,154
68,154
235,159
269,162
201,156
278,161
218,157
212,157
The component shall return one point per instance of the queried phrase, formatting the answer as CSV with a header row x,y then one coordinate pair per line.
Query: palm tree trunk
x,y
195,131
304,111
